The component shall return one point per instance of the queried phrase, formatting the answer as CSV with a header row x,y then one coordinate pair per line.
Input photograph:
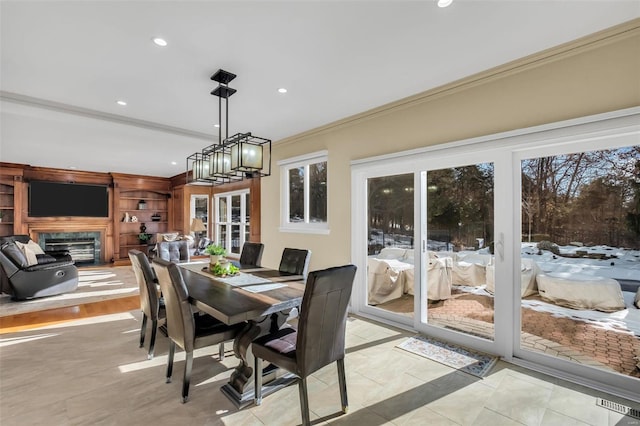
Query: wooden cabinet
x,y
147,212
11,190
141,205
7,213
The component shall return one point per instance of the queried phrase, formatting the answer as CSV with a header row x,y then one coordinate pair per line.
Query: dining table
x,y
257,296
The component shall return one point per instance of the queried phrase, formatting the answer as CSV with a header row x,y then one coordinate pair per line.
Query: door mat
x,y
467,360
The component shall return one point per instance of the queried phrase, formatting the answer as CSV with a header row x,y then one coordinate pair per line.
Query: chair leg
x,y
152,342
257,381
188,364
172,351
342,381
221,351
304,401
143,329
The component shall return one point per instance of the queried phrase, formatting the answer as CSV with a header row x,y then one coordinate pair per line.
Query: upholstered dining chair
x,y
251,254
295,261
149,298
319,339
185,329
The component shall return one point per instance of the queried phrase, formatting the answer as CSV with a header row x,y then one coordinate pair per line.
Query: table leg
x,y
240,388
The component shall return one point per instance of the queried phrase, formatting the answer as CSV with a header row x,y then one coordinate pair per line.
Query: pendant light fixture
x,y
241,156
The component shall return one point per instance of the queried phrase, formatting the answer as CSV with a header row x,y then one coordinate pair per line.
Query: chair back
x,y
146,278
21,238
295,261
323,318
251,253
174,251
180,322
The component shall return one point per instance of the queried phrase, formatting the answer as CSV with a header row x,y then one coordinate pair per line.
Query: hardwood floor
x,y
21,322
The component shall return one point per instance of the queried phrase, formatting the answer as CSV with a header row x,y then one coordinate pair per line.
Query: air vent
x,y
618,408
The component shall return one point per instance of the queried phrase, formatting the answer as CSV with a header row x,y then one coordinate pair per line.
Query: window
x,y
232,219
304,189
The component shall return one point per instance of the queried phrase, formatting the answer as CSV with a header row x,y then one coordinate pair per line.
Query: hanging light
x,y
241,156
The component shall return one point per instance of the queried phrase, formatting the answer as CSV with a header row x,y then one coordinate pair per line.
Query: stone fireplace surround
x,y
88,236
84,247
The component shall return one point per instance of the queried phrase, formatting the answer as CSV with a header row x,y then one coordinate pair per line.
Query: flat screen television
x,y
50,199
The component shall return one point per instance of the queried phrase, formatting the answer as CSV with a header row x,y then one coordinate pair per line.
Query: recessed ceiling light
x,y
160,41
282,90
121,103
216,125
444,3
173,163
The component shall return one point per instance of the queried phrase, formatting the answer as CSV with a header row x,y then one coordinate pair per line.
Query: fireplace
x,y
84,247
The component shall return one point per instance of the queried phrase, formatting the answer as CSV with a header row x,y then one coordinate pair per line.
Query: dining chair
x,y
295,261
319,339
251,255
185,329
149,298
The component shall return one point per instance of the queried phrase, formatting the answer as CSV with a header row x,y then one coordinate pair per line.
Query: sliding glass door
x,y
522,245
390,244
459,264
580,257
429,243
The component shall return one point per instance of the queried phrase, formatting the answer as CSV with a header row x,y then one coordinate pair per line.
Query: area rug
x,y
95,285
466,360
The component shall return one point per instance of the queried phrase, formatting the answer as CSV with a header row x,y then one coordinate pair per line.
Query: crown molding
x,y
592,41
99,115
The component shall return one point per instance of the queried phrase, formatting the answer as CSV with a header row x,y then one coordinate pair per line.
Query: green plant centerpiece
x,y
216,253
223,269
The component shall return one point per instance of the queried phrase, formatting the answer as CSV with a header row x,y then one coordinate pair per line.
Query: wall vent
x,y
618,408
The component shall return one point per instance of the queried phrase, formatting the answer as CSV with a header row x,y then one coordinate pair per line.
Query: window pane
x,y
247,233
235,239
235,209
318,192
296,194
247,206
390,274
222,235
201,208
460,244
579,253
222,212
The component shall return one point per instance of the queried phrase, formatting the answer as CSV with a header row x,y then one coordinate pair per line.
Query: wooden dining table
x,y
258,296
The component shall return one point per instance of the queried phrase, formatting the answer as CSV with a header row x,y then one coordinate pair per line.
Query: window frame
x,y
243,223
286,165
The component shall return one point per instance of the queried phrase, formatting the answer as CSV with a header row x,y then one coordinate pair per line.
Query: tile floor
x,y
99,376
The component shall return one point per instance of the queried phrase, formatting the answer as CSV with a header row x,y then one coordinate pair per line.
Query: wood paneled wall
x,y
178,193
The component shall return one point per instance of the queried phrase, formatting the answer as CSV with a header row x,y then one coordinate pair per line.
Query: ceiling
x,y
64,64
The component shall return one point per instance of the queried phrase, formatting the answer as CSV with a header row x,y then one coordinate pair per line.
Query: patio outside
x,y
580,225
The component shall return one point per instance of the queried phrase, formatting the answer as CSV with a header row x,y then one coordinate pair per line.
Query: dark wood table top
x,y
231,304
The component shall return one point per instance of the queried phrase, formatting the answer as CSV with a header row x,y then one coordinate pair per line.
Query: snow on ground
x,y
625,266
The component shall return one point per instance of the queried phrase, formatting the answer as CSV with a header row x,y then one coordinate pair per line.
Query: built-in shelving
x,y
135,209
7,213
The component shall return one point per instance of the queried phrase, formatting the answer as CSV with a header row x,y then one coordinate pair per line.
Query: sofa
x,y
174,251
27,272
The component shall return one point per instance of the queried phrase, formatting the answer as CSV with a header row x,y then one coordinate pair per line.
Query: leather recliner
x,y
50,276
